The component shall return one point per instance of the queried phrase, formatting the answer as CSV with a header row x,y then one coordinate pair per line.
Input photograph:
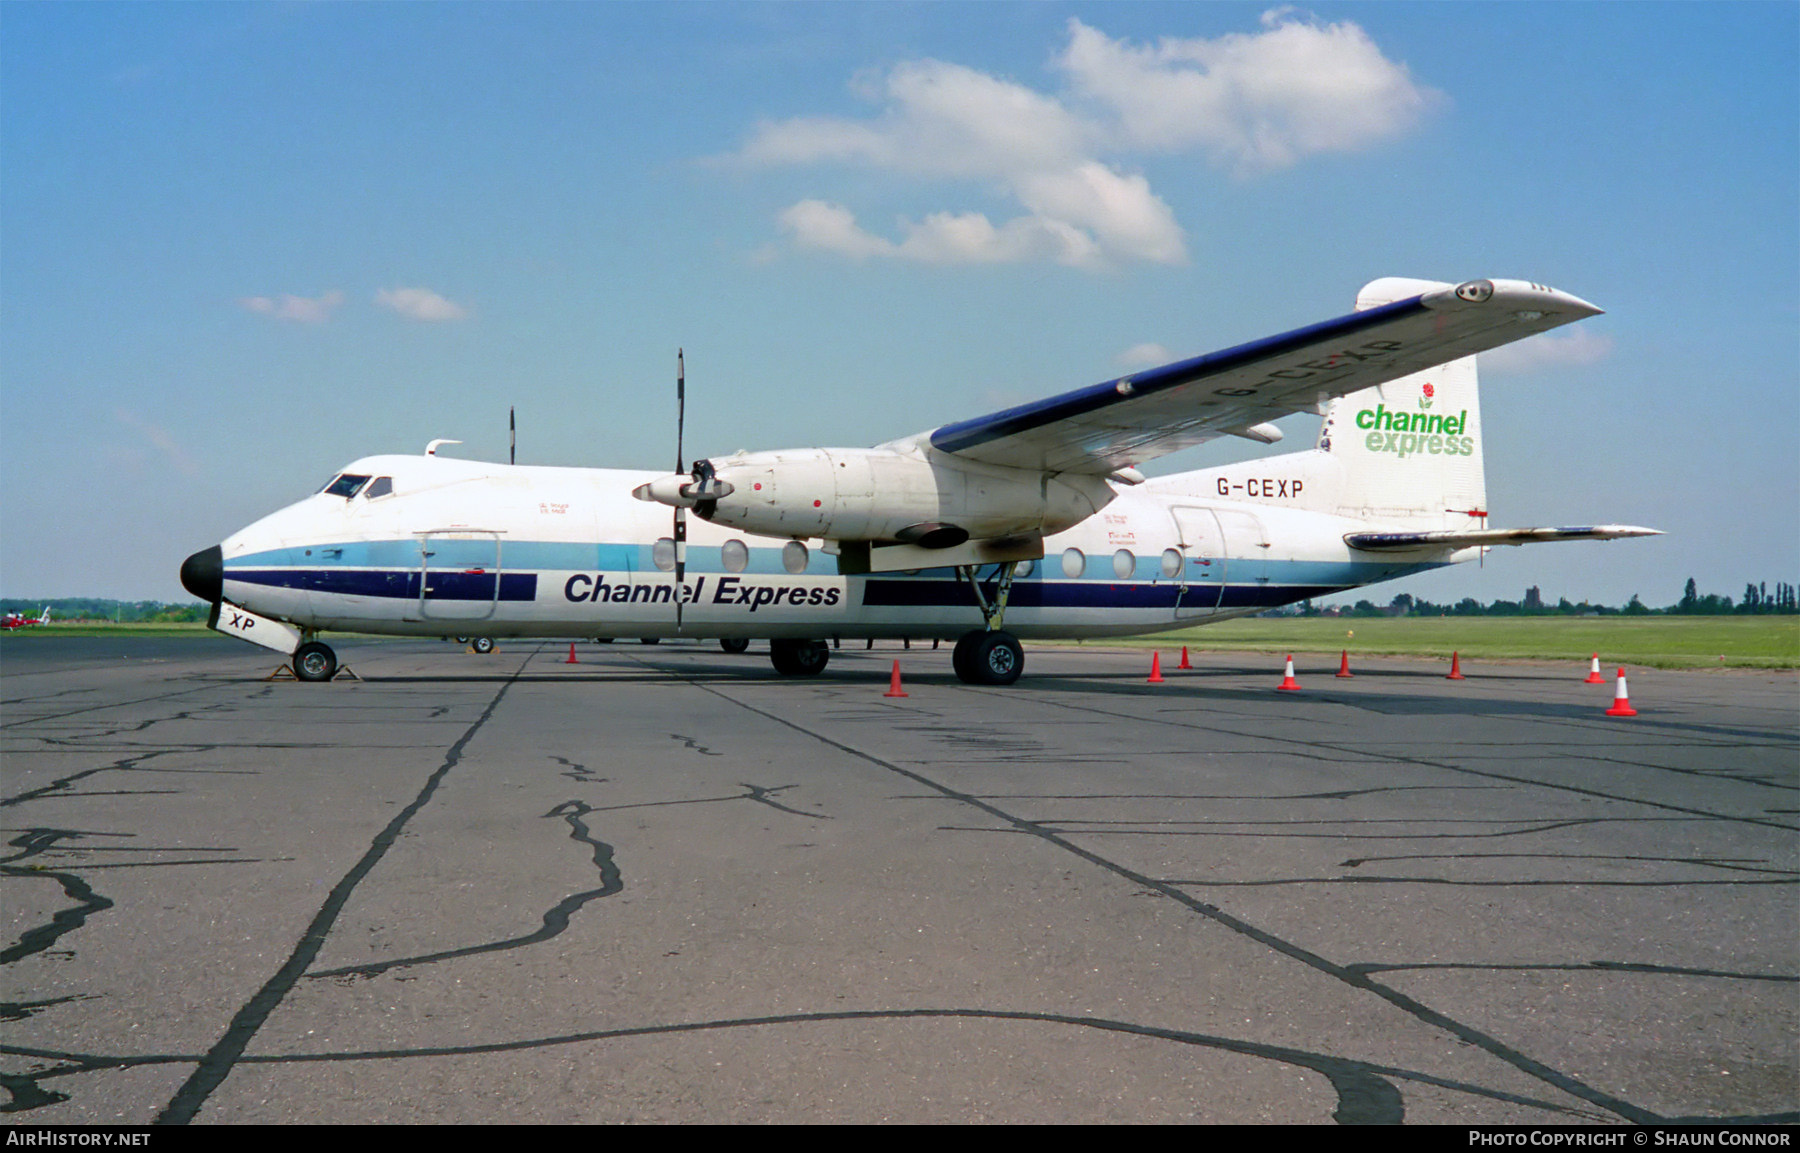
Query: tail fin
x,y
1409,451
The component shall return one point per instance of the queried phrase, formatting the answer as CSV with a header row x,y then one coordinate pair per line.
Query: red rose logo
x,y
1430,392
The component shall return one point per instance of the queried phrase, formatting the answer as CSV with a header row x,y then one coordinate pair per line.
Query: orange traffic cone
x,y
1156,677
1344,665
571,660
1288,683
894,689
1594,677
1456,668
1621,706
1184,662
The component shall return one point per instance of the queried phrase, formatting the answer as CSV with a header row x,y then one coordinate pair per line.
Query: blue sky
x,y
241,245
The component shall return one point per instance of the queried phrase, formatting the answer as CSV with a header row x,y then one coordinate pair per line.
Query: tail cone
x,y
1288,683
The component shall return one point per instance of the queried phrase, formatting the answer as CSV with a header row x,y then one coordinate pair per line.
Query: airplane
x,y
1030,522
21,621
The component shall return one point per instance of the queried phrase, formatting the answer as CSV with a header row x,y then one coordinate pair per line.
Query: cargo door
x,y
1203,574
459,574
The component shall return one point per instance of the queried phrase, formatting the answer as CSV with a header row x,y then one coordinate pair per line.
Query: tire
x,y
483,645
315,662
959,656
649,640
735,644
993,658
793,658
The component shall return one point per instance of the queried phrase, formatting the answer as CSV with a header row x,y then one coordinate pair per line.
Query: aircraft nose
x,y
203,574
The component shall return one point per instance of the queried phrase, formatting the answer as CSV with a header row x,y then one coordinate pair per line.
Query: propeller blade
x,y
680,512
512,428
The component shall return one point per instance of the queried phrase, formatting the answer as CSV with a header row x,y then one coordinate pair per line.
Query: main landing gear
x,y
991,655
794,658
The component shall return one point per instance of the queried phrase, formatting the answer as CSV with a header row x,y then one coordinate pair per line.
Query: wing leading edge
x,y
1123,422
1469,538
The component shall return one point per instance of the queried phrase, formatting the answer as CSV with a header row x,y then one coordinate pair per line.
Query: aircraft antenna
x,y
512,428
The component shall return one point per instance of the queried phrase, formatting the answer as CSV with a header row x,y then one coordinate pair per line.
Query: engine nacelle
x,y
885,494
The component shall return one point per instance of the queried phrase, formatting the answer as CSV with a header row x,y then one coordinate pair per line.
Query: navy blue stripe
x,y
404,585
878,593
1008,422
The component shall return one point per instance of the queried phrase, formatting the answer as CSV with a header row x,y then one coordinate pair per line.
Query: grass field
x,y
1655,641
1770,642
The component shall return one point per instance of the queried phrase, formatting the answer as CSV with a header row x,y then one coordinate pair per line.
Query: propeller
x,y
512,428
680,510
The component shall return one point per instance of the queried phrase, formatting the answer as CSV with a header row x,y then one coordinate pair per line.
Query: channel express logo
x,y
1416,433
726,590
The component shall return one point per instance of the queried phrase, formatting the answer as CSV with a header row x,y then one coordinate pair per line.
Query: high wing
x,y
1123,422
1468,538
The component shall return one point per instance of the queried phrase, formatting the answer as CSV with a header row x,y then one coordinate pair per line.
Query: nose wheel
x,y
314,661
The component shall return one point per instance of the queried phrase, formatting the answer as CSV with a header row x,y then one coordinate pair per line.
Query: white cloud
x,y
420,304
1144,356
298,309
1574,348
1250,102
158,438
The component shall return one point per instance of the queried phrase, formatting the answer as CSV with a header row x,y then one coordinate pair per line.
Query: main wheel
x,y
793,658
482,645
314,661
989,658
735,644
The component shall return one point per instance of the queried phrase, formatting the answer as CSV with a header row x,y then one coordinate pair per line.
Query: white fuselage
x,y
457,547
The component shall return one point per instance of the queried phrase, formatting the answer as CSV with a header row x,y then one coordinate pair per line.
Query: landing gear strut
x,y
991,655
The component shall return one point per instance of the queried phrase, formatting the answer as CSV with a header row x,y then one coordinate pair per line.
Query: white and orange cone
x,y
1288,683
1621,706
1594,677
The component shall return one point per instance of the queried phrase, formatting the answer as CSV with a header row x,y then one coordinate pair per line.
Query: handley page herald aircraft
x,y
1034,518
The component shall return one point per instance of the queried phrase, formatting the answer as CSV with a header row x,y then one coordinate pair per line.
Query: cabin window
x,y
380,486
794,556
662,554
734,555
1124,564
1171,563
346,485
1074,563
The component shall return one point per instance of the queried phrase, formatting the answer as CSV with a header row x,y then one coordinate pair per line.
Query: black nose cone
x,y
203,574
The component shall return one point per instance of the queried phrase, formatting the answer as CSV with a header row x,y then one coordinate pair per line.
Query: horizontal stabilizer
x,y
1470,538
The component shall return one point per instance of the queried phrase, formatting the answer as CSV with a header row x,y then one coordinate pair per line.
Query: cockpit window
x,y
346,485
380,486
